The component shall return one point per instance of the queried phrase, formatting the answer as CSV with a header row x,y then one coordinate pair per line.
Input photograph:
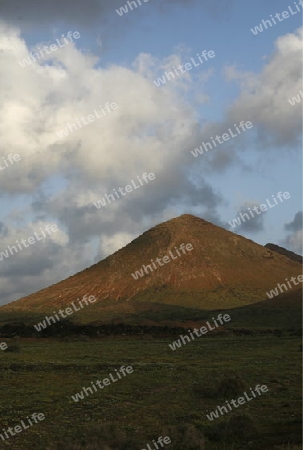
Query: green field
x,y
167,391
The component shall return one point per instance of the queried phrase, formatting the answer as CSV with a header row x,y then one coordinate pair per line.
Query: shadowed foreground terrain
x,y
167,388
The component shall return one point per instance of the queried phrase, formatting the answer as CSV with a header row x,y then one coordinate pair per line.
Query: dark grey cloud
x,y
39,266
253,224
220,157
169,190
294,239
40,13
296,223
32,262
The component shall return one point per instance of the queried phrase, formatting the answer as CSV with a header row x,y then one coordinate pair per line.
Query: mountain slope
x,y
223,270
283,251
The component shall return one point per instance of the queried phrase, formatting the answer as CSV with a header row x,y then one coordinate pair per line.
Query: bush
x,y
204,391
230,387
105,438
185,436
110,438
13,349
237,428
241,427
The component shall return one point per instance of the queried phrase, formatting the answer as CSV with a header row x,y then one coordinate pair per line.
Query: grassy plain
x,y
168,388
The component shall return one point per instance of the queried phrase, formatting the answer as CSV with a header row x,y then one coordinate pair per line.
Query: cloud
x,y
294,241
42,13
296,224
147,132
109,244
41,264
262,100
253,224
264,97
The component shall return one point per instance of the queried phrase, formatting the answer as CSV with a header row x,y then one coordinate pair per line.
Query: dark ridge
x,y
282,251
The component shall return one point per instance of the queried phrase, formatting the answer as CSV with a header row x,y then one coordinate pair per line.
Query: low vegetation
x,y
169,393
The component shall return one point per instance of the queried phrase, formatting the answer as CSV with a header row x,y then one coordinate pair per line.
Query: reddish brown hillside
x,y
223,270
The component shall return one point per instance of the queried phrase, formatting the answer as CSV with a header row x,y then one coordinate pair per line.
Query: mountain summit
x,y
223,270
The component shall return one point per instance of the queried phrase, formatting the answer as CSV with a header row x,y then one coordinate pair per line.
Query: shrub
x,y
226,388
204,391
230,386
107,437
111,438
241,427
237,428
13,349
185,436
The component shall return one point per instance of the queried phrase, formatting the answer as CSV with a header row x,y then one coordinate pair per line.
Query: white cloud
x,y
264,97
66,85
110,244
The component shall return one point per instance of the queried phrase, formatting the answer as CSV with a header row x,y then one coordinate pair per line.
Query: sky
x,y
58,169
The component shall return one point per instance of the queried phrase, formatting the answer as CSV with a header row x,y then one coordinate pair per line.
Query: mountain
x,y
223,270
283,251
